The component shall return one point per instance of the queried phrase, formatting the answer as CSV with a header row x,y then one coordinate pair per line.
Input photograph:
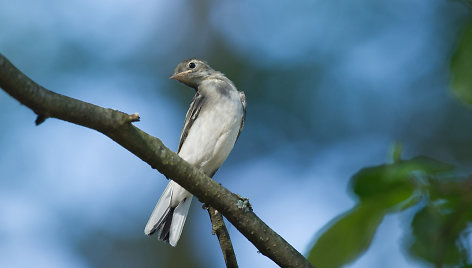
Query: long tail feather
x,y
160,212
178,220
167,221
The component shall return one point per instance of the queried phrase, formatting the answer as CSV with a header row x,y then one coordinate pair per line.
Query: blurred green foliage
x,y
348,237
442,197
461,67
439,228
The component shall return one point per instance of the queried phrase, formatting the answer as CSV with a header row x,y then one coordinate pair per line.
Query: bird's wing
x,y
192,114
242,96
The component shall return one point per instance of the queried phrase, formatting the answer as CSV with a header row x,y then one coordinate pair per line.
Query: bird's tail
x,y
167,221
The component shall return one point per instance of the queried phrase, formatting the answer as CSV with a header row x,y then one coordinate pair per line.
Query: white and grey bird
x,y
212,126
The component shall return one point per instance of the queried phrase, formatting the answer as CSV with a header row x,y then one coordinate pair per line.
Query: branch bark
x,y
117,126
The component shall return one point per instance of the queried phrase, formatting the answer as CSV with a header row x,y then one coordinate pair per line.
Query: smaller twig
x,y
219,228
133,117
40,119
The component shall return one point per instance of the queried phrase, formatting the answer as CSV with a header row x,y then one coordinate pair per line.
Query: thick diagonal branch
x,y
116,125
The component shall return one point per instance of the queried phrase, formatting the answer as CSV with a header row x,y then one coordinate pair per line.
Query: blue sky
x,y
330,85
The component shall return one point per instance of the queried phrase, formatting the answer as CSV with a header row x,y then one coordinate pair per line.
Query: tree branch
x,y
116,125
219,228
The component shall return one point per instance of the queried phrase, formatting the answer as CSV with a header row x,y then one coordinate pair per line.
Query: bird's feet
x,y
243,203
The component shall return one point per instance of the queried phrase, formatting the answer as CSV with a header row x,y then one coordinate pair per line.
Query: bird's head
x,y
192,72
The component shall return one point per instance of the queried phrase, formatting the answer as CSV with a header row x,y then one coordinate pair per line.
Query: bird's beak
x,y
179,75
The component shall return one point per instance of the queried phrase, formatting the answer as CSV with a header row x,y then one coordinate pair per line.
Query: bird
x,y
212,126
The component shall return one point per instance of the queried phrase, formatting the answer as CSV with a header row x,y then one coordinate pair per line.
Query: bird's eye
x,y
191,65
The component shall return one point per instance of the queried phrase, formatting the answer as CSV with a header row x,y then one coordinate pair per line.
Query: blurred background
x,y
331,85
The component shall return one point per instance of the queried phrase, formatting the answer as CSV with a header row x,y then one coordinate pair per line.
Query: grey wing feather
x,y
242,96
192,114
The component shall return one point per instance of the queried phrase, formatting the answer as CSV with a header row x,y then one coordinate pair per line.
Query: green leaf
x,y
387,185
381,190
441,227
461,68
347,237
437,235
393,185
430,166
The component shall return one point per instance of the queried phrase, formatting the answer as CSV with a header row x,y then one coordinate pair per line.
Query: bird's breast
x,y
213,134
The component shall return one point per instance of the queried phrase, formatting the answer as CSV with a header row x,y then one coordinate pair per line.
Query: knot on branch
x,y
40,119
114,120
133,118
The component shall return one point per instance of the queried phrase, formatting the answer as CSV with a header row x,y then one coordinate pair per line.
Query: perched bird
x,y
212,126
